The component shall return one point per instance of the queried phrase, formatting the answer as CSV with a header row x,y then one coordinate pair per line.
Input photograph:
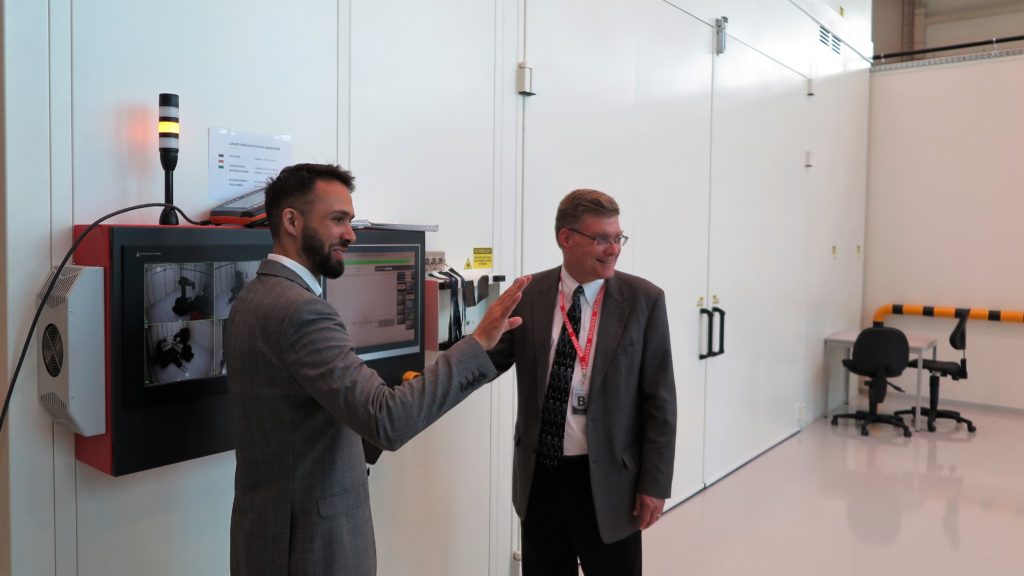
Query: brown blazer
x,y
301,400
631,410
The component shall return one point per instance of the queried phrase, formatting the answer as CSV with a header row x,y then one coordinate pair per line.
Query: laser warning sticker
x,y
483,258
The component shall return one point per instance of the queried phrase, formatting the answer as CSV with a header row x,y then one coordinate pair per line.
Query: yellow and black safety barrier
x,y
946,312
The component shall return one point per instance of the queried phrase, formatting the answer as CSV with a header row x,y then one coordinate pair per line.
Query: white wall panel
x,y
263,67
423,147
769,25
943,215
776,28
423,118
823,252
169,520
28,478
580,125
849,218
851,20
835,208
673,91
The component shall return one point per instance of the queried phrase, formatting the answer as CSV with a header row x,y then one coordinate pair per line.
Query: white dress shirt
x,y
299,269
576,424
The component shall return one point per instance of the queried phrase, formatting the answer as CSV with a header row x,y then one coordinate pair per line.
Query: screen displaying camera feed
x,y
186,305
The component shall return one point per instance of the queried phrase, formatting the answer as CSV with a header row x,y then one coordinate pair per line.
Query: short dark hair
x,y
584,202
292,186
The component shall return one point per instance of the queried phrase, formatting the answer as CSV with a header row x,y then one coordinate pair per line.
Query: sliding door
x,y
670,238
758,185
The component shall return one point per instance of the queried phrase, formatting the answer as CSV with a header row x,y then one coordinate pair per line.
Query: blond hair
x,y
584,202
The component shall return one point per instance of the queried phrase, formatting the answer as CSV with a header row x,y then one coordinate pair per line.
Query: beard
x,y
318,255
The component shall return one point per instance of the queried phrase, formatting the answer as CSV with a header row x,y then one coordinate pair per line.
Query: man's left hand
x,y
496,321
648,509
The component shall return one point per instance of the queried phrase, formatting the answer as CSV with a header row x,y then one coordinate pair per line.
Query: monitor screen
x,y
378,298
186,304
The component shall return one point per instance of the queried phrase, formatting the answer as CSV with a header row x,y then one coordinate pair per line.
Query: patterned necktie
x,y
556,398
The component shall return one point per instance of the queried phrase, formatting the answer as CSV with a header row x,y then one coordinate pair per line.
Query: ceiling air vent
x,y
829,39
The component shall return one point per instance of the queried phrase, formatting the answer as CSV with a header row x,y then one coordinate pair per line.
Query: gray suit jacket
x,y
301,400
631,410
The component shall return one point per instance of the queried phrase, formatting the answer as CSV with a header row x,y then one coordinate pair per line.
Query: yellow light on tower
x,y
169,128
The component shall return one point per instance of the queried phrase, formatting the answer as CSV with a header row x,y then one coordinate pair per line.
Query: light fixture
x,y
169,128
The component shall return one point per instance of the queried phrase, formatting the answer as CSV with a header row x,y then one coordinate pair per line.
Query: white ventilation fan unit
x,y
72,350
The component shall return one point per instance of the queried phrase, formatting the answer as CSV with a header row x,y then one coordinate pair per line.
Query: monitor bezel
x,y
137,248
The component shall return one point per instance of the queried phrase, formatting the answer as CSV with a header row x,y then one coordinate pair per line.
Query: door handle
x,y
711,328
721,331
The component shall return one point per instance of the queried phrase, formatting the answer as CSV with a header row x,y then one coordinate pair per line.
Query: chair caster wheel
x,y
907,434
972,428
931,427
863,431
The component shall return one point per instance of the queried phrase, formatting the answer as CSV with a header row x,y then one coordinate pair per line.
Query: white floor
x,y
831,502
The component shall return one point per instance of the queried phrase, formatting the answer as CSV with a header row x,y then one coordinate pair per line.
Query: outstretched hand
x,y
496,320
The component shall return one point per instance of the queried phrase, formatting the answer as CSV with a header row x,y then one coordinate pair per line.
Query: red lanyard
x,y
584,355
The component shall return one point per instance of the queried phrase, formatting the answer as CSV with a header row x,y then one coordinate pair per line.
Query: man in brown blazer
x,y
302,400
596,426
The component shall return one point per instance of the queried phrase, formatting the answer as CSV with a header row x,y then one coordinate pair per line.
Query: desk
x,y
919,346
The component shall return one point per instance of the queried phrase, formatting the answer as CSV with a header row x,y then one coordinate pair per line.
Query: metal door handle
x,y
711,328
721,331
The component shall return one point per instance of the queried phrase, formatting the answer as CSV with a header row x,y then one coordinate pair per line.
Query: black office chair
x,y
939,369
879,352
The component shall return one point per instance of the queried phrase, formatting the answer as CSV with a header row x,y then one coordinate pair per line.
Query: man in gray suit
x,y
302,400
595,432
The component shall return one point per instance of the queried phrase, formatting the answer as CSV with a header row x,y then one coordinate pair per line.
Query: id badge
x,y
579,400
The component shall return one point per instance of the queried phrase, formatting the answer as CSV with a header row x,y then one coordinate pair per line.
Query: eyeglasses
x,y
604,241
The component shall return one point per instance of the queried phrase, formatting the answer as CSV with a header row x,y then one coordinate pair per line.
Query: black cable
x,y
56,276
990,42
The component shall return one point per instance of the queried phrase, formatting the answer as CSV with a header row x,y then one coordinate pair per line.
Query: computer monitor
x,y
169,291
379,299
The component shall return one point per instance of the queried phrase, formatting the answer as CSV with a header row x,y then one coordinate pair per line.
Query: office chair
x,y
879,352
939,369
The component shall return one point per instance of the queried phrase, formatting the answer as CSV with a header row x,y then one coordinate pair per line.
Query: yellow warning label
x,y
483,257
469,264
